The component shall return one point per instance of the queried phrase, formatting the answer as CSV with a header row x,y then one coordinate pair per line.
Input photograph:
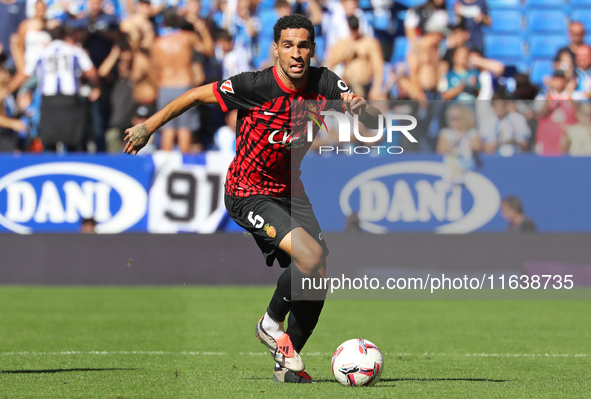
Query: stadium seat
x,y
546,21
580,3
529,4
412,3
539,70
546,46
505,4
497,46
400,49
582,15
505,21
520,64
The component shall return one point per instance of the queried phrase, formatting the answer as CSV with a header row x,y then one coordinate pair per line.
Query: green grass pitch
x,y
198,342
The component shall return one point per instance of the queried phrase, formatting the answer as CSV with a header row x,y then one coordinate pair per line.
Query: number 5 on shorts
x,y
257,221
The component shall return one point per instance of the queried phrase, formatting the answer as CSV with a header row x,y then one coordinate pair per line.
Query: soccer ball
x,y
357,362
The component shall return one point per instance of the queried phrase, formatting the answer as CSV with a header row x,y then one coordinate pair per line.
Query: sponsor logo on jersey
x,y
407,194
226,87
36,197
270,230
285,138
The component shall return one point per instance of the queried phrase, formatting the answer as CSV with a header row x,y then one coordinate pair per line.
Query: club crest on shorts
x,y
270,230
226,87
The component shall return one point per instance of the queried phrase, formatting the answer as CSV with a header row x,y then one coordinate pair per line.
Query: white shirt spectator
x,y
510,132
59,68
225,140
335,26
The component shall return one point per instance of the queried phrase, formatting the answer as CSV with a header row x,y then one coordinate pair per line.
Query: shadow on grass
x,y
381,381
442,379
58,370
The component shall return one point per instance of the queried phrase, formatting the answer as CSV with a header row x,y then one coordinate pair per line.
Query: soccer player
x,y
263,191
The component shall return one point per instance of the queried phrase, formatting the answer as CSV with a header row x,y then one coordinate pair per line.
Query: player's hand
x,y
137,137
355,104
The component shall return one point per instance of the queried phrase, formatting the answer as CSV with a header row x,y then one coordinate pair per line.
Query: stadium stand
x,y
546,21
505,46
540,69
542,46
505,22
504,4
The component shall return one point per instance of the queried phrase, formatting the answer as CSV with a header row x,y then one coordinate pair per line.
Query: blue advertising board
x,y
49,193
415,193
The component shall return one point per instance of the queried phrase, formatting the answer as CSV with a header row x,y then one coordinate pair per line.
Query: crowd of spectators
x,y
74,74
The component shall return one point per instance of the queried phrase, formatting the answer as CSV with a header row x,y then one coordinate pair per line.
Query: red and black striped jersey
x,y
272,127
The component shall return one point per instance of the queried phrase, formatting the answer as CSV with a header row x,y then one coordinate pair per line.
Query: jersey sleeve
x,y
235,92
333,87
83,60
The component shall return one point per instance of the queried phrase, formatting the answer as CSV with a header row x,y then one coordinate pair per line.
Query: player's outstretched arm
x,y
137,136
356,104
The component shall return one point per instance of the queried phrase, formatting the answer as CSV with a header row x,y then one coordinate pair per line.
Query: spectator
x,y
424,62
425,18
88,225
138,27
232,60
99,33
459,143
462,80
555,110
32,37
172,58
458,37
577,141
460,139
9,124
364,64
225,136
334,23
512,212
583,73
511,132
244,29
60,68
576,32
12,13
121,99
564,63
474,14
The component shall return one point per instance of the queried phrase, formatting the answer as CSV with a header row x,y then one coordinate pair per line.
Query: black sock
x,y
288,291
302,320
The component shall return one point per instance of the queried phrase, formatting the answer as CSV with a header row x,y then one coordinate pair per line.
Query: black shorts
x,y
269,219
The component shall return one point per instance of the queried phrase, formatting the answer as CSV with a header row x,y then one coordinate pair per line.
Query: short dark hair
x,y
353,22
294,21
514,203
171,18
58,33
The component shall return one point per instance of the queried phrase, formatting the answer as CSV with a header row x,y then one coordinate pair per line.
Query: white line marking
x,y
265,353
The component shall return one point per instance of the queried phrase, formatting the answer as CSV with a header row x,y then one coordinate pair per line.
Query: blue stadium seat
x,y
546,21
580,3
520,64
505,21
582,15
529,4
412,3
514,4
546,46
400,49
539,70
497,46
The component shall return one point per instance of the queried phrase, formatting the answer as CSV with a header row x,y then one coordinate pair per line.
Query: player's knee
x,y
311,260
